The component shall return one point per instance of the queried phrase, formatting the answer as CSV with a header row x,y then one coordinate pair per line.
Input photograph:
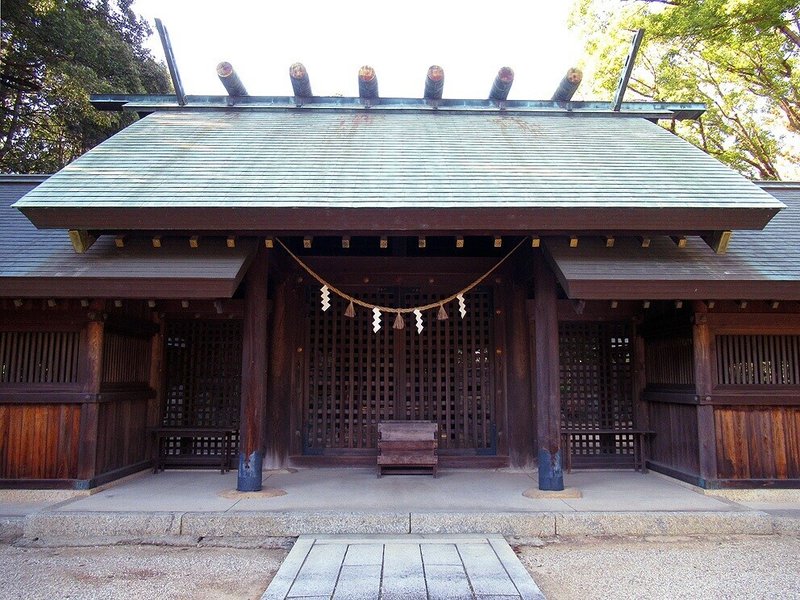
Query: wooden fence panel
x,y
39,441
758,443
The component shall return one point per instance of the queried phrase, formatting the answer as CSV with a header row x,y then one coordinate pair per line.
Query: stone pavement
x,y
407,567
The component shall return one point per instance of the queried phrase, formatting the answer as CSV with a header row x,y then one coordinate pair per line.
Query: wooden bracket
x,y
718,241
81,240
680,240
645,241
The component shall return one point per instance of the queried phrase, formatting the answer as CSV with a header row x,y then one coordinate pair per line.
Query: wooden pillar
x,y
703,369
254,375
91,373
546,372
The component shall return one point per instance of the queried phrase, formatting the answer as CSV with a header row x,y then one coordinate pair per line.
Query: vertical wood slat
x,y
758,360
37,357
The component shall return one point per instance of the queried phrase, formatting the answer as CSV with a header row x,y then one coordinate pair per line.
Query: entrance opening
x,y
203,377
356,378
597,392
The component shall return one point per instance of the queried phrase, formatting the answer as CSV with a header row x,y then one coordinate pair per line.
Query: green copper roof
x,y
328,170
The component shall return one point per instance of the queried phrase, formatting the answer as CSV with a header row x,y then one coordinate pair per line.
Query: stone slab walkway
x,y
409,567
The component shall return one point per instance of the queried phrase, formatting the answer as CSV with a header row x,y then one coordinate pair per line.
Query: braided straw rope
x,y
389,309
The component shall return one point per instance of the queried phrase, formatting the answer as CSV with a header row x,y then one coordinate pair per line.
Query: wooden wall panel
x,y
758,443
39,441
121,434
675,443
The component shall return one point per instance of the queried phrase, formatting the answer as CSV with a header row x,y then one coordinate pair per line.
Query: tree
x,y
54,54
740,57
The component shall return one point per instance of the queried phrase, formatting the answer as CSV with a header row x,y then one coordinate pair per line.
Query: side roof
x,y
42,263
761,265
312,170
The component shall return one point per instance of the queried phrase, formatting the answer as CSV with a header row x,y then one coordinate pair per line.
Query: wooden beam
x,y
644,241
718,241
119,241
254,375
91,376
703,341
194,241
680,240
610,241
156,241
231,241
81,240
546,375
180,95
627,69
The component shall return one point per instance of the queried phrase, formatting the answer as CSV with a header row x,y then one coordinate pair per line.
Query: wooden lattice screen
x,y
357,378
39,356
758,359
597,390
203,364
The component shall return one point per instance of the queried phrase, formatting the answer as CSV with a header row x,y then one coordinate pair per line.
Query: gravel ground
x,y
659,568
720,567
136,572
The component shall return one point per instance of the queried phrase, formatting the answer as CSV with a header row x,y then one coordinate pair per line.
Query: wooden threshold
x,y
370,460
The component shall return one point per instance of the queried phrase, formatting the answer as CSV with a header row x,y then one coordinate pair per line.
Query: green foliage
x,y
54,54
740,57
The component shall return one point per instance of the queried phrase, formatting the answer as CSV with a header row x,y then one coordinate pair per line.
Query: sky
x,y
471,41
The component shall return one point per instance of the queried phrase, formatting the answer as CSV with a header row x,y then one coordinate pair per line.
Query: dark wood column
x,y
254,375
703,369
546,373
91,373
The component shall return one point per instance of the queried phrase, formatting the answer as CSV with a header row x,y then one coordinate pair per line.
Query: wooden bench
x,y
408,446
639,444
162,433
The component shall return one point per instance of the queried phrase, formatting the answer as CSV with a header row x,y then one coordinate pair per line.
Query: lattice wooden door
x,y
356,378
203,365
597,390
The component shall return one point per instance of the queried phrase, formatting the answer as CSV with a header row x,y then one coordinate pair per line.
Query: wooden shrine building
x,y
585,280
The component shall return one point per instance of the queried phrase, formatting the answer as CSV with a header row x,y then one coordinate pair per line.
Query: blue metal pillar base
x,y
250,472
551,477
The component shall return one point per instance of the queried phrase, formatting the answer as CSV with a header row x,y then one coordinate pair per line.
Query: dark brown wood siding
x,y
121,435
675,443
